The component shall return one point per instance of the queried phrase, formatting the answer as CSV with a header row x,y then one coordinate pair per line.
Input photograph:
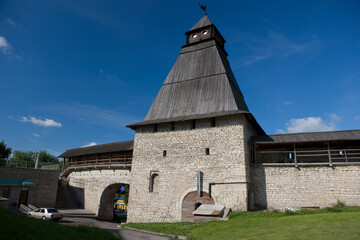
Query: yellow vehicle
x,y
121,205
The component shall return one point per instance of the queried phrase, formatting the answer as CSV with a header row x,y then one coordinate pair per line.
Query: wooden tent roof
x,y
97,149
349,135
200,82
203,22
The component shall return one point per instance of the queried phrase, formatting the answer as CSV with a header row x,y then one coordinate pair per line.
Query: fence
x,y
28,164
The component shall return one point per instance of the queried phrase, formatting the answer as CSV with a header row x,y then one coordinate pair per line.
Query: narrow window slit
x,y
155,128
213,123
193,124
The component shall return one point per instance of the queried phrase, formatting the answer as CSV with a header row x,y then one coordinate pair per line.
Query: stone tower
x,y
192,146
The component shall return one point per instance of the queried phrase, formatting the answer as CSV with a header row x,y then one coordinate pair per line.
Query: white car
x,y
47,214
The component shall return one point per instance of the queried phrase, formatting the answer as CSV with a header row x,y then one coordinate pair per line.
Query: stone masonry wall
x,y
279,187
41,195
185,154
92,183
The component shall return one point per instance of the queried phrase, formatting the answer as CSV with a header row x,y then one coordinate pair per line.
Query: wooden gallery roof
x,y
201,82
97,149
350,135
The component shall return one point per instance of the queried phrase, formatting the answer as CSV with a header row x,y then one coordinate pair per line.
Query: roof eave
x,y
248,115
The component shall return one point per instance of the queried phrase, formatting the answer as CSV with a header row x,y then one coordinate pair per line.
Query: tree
x,y
124,193
29,156
4,151
46,157
24,156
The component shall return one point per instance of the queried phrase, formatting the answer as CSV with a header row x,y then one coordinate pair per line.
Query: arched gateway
x,y
191,202
106,206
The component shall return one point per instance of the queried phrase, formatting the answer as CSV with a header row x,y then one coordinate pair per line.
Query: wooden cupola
x,y
203,31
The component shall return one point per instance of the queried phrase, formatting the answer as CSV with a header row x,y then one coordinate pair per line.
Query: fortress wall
x,y
185,154
89,185
279,187
43,194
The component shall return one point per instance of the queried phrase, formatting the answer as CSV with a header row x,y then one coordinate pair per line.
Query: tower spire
x,y
201,81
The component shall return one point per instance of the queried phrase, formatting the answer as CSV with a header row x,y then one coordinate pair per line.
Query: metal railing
x,y
28,164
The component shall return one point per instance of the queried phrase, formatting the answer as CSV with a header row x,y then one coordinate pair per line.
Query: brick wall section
x,y
90,184
279,187
177,171
41,195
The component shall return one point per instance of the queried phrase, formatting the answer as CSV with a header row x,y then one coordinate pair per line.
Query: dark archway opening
x,y
191,202
114,202
197,205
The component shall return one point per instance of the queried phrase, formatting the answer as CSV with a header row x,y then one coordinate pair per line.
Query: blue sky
x,y
74,73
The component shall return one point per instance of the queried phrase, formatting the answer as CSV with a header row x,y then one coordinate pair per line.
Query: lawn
x,y
329,223
15,226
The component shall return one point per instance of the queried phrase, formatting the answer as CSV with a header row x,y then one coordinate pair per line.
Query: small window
x,y
6,192
154,182
290,155
193,124
207,151
164,153
194,35
213,123
52,210
204,33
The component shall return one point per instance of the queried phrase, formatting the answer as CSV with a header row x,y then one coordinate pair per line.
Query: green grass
x,y
14,226
338,222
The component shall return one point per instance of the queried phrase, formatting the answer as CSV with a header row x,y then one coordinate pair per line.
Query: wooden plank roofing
x,y
97,149
203,22
307,137
200,82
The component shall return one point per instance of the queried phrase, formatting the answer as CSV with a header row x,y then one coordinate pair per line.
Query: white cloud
x,y
36,135
41,122
309,124
10,22
89,114
256,58
356,118
90,144
288,103
334,117
273,45
5,47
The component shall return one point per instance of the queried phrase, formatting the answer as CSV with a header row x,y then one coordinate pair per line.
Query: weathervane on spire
x,y
203,8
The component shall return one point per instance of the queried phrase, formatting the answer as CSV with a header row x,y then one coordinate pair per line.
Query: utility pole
x,y
37,161
14,151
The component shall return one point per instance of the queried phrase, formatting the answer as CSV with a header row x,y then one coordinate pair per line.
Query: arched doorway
x,y
192,201
109,199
